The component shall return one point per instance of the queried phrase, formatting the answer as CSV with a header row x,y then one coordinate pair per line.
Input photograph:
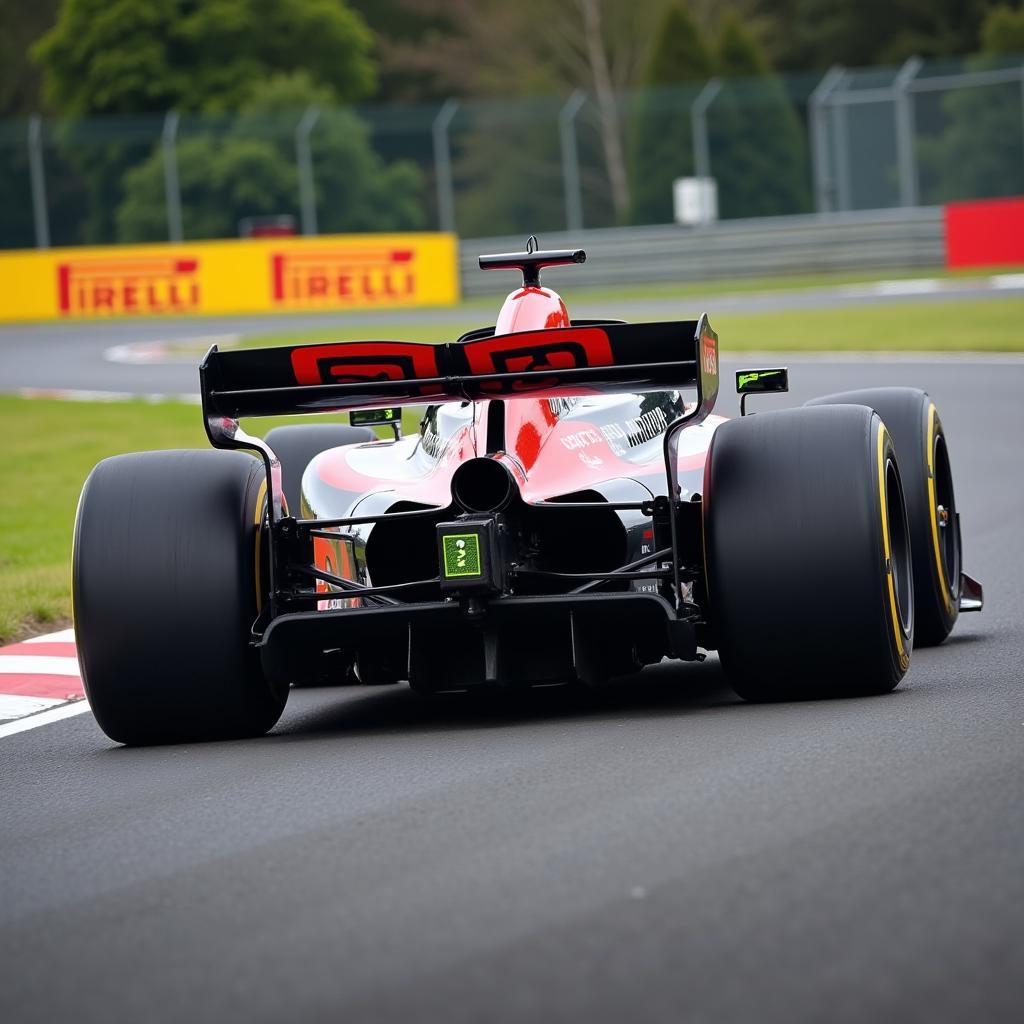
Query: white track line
x,y
65,636
913,286
877,356
148,352
1007,281
31,664
77,707
81,395
13,705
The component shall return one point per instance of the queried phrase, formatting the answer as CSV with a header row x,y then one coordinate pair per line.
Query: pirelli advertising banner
x,y
276,275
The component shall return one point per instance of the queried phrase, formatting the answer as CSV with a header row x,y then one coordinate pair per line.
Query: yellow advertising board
x,y
273,275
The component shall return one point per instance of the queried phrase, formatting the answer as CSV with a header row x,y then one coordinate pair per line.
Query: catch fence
x,y
918,135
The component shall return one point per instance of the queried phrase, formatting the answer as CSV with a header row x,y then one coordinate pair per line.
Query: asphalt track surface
x,y
657,851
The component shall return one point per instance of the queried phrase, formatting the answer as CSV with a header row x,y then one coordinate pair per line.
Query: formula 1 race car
x,y
569,511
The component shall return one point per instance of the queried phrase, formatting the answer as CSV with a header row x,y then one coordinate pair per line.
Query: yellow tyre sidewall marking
x,y
897,626
936,548
261,497
74,564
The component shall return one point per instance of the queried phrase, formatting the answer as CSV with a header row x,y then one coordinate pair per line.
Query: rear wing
x,y
584,359
560,362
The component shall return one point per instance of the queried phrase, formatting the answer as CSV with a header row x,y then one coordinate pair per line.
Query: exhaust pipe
x,y
483,486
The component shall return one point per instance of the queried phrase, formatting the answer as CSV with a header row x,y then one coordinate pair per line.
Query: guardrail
x,y
866,240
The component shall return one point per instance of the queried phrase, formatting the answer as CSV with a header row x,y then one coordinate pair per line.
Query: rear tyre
x,y
913,421
297,446
807,555
167,584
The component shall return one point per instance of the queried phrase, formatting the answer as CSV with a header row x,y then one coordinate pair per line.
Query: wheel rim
x,y
900,564
945,515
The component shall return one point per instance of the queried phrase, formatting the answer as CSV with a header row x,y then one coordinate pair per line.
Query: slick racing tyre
x,y
297,446
916,430
167,583
807,554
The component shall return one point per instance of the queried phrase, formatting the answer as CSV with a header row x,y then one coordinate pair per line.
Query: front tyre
x,y
167,585
807,554
913,421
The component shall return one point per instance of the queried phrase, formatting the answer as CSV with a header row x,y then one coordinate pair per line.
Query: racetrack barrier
x,y
985,233
865,240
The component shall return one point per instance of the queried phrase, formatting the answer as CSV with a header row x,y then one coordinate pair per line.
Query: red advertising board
x,y
985,233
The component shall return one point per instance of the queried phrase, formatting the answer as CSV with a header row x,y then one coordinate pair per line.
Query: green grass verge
x,y
50,447
983,325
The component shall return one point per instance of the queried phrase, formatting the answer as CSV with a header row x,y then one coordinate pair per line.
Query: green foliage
x,y
413,24
680,53
1002,31
221,182
139,56
662,144
16,225
758,151
494,199
249,170
739,54
756,141
355,190
21,23
814,34
134,56
977,155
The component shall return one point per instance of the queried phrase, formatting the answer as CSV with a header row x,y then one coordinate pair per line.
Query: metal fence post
x,y
1022,103
571,160
699,126
40,215
844,193
304,162
701,149
904,119
818,131
172,191
443,165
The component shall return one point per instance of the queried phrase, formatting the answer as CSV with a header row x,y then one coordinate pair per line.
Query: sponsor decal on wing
x,y
709,353
359,363
537,351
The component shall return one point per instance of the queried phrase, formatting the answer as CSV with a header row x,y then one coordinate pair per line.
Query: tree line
x,y
238,70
